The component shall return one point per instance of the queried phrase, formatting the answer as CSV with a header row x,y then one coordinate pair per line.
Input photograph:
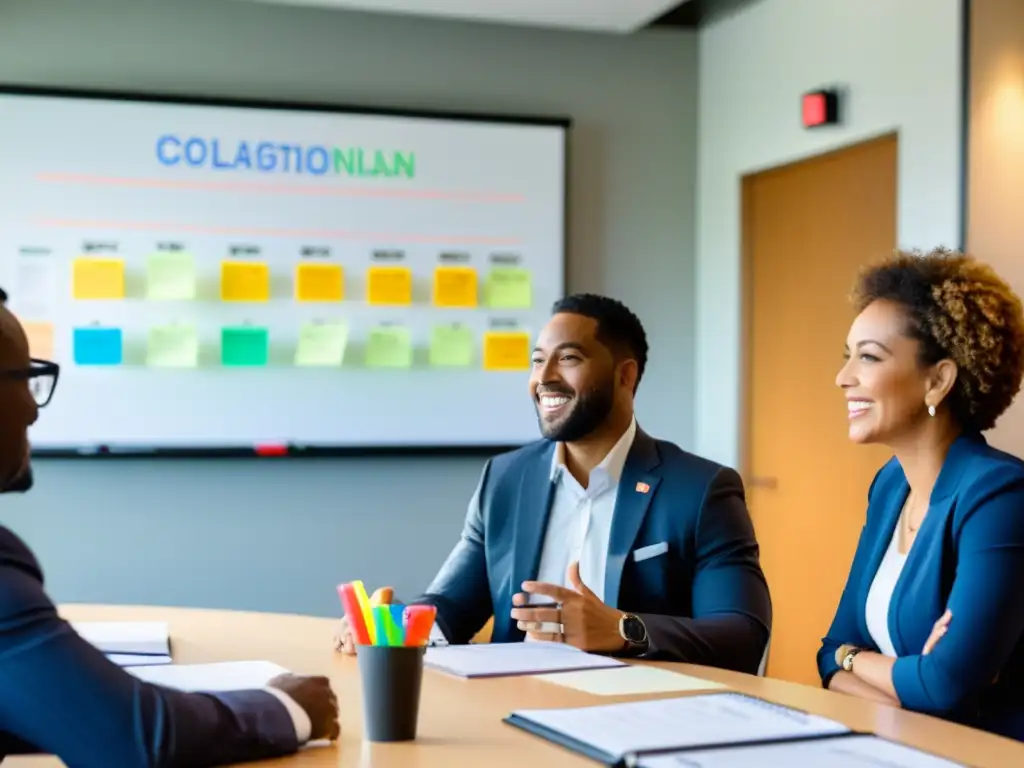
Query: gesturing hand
x,y
587,623
315,696
938,631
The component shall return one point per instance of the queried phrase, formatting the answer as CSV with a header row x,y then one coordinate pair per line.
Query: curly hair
x,y
958,309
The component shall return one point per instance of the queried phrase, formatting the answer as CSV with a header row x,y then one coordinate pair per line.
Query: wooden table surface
x,y
461,720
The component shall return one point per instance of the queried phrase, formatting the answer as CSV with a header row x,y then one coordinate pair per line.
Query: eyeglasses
x,y
42,378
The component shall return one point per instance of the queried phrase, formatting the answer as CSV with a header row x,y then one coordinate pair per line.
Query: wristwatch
x,y
847,663
633,630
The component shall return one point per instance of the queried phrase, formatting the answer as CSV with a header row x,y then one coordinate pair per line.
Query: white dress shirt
x,y
876,612
301,721
580,521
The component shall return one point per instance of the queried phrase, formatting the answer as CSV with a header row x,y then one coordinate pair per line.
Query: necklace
x,y
906,514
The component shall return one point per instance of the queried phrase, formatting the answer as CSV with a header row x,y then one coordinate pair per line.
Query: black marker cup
x,y
392,677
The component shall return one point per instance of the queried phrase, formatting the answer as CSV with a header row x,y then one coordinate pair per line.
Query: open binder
x,y
633,733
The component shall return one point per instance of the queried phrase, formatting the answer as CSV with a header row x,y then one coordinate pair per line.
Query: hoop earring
x,y
931,411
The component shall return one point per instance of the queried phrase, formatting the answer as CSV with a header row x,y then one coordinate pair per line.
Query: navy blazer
x,y
968,557
705,600
60,695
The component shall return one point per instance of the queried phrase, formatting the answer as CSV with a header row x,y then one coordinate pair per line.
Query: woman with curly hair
x,y
932,616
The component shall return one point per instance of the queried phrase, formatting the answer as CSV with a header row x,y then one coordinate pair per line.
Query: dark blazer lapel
x,y
532,510
939,507
637,486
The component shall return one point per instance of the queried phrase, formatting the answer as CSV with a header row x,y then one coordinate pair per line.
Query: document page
x,y
621,730
844,752
223,676
137,660
507,659
633,679
148,638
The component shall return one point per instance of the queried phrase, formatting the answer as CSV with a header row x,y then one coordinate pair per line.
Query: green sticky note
x,y
508,288
321,344
389,346
244,345
173,346
451,346
170,276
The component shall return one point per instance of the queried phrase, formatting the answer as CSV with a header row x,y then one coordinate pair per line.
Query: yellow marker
x,y
319,282
455,287
389,286
244,281
98,278
506,351
364,605
40,339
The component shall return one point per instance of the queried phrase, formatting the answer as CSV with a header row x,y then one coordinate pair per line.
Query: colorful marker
x,y
364,605
350,604
419,620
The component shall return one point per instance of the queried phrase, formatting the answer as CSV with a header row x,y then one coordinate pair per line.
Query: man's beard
x,y
589,411
21,482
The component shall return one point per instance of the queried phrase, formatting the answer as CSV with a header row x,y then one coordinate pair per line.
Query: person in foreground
x,y
931,616
61,696
637,547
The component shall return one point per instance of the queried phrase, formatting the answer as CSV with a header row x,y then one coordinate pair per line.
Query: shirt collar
x,y
612,464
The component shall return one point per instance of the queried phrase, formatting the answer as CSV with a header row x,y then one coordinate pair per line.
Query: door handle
x,y
767,483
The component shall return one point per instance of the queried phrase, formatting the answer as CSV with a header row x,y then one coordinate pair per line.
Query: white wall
x,y
899,60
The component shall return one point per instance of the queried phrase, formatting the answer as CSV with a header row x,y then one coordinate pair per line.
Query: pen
x,y
419,620
367,611
354,613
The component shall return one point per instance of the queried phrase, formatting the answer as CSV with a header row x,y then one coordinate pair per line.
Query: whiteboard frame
x,y
290,451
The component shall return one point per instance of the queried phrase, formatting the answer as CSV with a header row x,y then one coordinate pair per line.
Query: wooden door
x,y
807,229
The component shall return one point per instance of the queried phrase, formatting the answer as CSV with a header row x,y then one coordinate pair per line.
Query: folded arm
x,y
461,591
987,621
732,612
64,697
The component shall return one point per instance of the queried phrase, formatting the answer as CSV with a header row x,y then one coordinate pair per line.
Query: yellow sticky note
x,y
451,346
98,278
319,282
455,287
508,288
389,285
40,339
244,281
173,346
170,276
506,351
321,344
389,346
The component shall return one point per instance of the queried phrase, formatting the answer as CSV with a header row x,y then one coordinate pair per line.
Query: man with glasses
x,y
60,695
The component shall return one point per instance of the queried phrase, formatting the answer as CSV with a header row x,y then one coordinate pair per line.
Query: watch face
x,y
634,629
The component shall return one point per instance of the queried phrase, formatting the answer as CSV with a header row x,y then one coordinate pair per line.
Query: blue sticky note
x,y
97,346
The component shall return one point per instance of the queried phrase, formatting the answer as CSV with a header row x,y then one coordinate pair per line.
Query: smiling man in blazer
x,y
635,546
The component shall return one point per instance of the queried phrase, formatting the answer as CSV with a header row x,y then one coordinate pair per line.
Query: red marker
x,y
356,622
419,620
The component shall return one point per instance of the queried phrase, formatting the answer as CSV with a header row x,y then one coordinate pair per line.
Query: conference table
x,y
461,720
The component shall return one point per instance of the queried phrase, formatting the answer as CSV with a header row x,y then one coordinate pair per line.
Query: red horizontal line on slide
x,y
263,188
333,234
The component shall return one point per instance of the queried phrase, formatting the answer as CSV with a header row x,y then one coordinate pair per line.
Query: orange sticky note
x,y
97,278
40,339
455,287
319,282
389,286
244,281
506,351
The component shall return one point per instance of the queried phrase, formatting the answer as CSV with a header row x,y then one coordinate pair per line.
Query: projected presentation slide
x,y
255,278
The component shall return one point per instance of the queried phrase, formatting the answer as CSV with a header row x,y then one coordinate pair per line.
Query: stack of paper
x,y
129,643
629,732
223,676
856,751
630,681
508,659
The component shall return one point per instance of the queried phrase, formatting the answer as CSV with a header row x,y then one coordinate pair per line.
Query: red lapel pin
x,y
642,487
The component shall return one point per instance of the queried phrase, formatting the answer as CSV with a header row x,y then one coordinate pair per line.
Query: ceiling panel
x,y
620,16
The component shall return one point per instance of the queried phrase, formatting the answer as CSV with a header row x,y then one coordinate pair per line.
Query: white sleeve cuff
x,y
436,637
303,726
